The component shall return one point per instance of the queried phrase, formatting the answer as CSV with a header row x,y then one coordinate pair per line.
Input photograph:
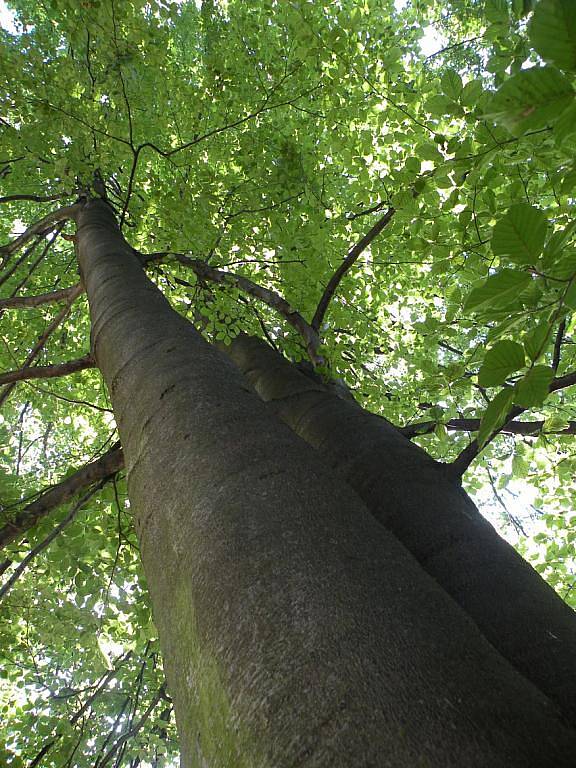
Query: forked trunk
x,y
295,629
415,497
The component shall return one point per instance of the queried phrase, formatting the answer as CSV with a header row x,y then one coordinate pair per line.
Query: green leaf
x,y
552,32
570,297
520,234
557,243
496,11
532,390
471,93
566,123
451,84
500,361
535,340
497,289
531,99
495,414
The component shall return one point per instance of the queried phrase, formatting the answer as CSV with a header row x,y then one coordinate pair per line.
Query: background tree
x,y
399,217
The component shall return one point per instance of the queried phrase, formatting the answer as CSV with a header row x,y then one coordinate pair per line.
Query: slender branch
x,y
34,198
36,263
274,300
558,345
47,371
562,382
27,302
134,729
48,540
367,211
528,428
265,107
467,456
39,227
22,258
39,346
104,468
348,262
98,688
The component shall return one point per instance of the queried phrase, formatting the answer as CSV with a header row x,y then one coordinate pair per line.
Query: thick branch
x,y
274,300
47,371
62,214
103,468
348,262
27,302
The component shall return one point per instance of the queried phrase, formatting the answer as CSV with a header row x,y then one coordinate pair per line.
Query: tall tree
x,y
383,190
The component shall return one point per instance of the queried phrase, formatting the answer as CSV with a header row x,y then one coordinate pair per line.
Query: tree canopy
x,y
383,190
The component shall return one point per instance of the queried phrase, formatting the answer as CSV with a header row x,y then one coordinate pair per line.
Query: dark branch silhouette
x,y
47,371
106,467
348,262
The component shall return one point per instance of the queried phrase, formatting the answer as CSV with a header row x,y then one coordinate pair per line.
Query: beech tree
x,y
282,284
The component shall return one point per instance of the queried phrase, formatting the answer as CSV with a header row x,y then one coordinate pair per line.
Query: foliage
x,y
265,139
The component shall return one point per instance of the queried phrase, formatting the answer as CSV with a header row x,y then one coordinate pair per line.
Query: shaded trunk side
x,y
295,629
413,496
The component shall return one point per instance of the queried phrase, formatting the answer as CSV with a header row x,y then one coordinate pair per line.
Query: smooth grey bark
x,y
414,496
296,631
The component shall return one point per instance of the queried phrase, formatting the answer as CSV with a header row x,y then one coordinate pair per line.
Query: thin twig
x,y
48,540
39,346
133,731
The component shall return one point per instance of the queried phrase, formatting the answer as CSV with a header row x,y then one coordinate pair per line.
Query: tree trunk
x,y
295,629
416,498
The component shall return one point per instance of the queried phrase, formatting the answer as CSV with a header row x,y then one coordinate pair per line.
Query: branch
x,y
103,468
467,456
527,428
265,107
48,540
561,382
39,346
34,198
47,371
134,729
558,345
274,300
352,256
38,228
27,302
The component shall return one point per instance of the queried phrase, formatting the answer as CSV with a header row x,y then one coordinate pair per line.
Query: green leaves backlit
x,y
553,32
531,100
520,235
501,360
497,290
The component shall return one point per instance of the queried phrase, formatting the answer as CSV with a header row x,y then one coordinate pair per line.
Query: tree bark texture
x,y
296,630
413,496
